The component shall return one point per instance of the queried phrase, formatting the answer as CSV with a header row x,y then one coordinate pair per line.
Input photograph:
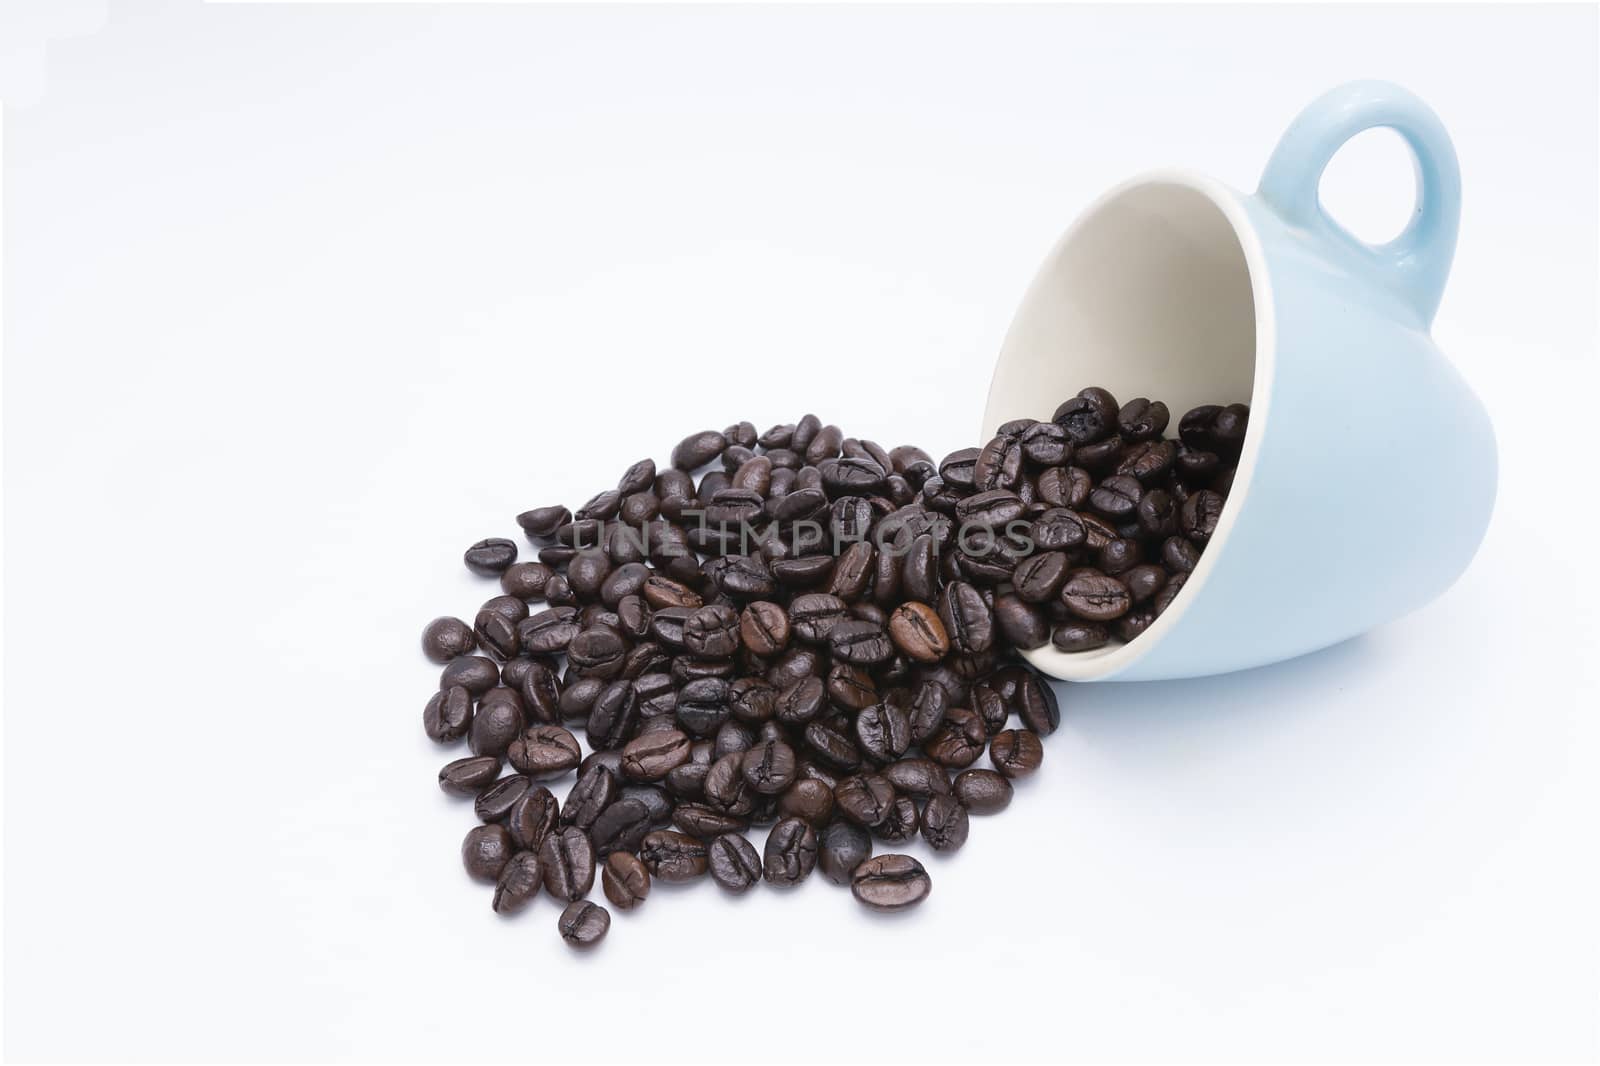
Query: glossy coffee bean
x,y
790,853
673,856
1095,597
518,883
485,852
764,628
1016,753
567,857
652,756
469,776
532,817
864,798
583,924
918,633
491,557
594,791
448,715
769,767
622,826
983,791
809,800
734,863
890,882
544,751
698,449
446,638
841,847
624,880
475,673
944,823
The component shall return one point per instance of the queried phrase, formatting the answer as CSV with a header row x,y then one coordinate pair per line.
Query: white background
x,y
302,301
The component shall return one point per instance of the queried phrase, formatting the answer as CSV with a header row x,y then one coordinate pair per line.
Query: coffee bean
x,y
622,826
1200,514
699,820
944,823
584,924
448,715
491,557
859,642
673,856
467,777
790,853
594,791
548,632
764,628
518,883
1087,417
864,798
809,800
1023,625
544,751
1081,636
883,731
698,449
496,725
734,863
474,673
532,817
959,741
918,633
901,823
1095,597
712,632
966,617
496,801
446,638
983,791
1016,753
485,852
1143,419
542,522
652,756
567,857
624,880
890,882
769,767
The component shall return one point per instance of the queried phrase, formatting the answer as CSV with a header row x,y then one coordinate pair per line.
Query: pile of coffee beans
x,y
817,638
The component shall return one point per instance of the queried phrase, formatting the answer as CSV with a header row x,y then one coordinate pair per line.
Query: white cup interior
x,y
1151,293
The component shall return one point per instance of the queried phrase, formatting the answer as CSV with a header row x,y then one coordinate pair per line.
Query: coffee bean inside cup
x,y
787,650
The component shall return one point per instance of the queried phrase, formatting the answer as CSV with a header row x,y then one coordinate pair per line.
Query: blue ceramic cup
x,y
1368,473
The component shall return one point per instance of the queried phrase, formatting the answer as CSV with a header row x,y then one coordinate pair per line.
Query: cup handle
x,y
1417,262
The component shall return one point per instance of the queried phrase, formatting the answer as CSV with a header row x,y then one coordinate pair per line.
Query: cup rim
x,y
1106,663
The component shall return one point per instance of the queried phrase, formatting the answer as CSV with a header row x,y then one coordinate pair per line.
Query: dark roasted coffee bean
x,y
1080,636
1158,514
1117,496
698,449
983,791
746,578
542,522
655,799
883,731
918,777
485,852
1095,597
859,642
593,792
475,673
841,847
734,863
491,557
769,767
549,631
583,924
929,703
624,880
1087,417
825,445
1144,582
1046,444
1143,419
990,706
992,510
495,802
1134,623
496,633
1039,577
853,477
1168,593
944,823
864,798
1199,519
900,823
496,725
999,465
1180,555
533,817
725,788
1035,703
652,756
703,706
959,741
445,638
1148,462
831,746
712,632
557,593
469,776
621,826
448,715
801,701
601,505
959,468
813,615
545,751
541,693
966,617
890,882
614,717
1118,555
1016,753
791,852
518,883
577,698
699,820
673,856
809,800
568,861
